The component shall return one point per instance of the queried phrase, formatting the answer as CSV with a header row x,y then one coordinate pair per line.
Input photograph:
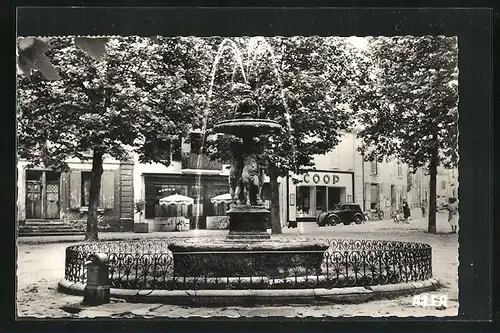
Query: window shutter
x,y
108,190
75,189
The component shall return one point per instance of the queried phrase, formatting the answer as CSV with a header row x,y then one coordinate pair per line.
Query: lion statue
x,y
251,182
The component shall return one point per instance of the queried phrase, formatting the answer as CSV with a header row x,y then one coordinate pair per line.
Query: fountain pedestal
x,y
248,223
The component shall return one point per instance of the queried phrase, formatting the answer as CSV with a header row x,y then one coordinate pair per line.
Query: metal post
x,y
97,289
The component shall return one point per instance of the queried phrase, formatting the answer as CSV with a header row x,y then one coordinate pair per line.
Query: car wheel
x,y
322,221
333,220
358,219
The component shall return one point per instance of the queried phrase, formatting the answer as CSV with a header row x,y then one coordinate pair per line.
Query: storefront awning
x,y
176,199
226,197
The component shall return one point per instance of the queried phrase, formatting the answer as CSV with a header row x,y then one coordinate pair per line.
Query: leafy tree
x,y
299,82
107,106
408,104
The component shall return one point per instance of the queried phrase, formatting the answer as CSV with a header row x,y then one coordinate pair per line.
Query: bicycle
x,y
397,217
375,215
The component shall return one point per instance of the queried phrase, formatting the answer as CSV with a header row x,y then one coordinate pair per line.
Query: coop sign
x,y
318,178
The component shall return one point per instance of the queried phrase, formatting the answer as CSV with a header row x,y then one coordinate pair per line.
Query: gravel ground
x,y
41,266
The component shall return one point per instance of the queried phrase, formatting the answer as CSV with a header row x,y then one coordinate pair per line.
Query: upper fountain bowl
x,y
247,127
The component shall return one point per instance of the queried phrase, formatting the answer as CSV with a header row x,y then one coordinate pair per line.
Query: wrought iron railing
x,y
346,263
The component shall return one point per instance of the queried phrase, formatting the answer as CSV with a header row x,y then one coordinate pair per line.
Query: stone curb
x,y
103,237
260,296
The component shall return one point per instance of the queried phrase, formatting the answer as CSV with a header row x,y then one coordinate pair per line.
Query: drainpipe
x,y
363,180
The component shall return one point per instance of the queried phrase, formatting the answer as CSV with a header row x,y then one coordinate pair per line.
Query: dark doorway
x,y
42,194
33,194
393,197
374,196
333,197
52,195
320,199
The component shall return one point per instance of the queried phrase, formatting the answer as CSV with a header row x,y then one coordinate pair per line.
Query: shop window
x,y
334,194
303,201
373,168
321,198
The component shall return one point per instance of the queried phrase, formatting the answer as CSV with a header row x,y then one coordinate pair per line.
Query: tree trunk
x,y
432,192
275,201
95,189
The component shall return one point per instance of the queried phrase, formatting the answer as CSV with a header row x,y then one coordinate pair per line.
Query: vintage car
x,y
343,213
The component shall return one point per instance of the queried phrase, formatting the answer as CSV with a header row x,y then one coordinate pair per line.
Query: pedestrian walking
x,y
452,214
423,207
406,211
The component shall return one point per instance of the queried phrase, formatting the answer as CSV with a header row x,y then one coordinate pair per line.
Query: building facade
x,y
337,177
191,174
48,195
342,176
385,185
446,186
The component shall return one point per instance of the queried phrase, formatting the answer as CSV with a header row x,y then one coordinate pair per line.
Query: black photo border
x,y
473,26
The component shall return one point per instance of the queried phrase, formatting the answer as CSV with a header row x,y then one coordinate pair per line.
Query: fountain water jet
x,y
226,44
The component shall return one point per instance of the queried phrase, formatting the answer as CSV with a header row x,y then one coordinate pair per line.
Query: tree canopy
x,y
126,102
412,108
408,104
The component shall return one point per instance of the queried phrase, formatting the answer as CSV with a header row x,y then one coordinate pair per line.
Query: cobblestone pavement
x,y
41,266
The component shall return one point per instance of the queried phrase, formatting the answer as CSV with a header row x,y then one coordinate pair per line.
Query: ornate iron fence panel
x,y
346,263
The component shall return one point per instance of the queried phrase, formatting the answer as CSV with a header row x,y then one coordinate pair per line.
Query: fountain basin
x,y
247,127
226,258
351,271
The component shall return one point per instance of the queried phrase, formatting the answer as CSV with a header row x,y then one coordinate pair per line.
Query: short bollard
x,y
97,287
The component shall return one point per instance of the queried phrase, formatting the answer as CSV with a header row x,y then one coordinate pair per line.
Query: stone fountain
x,y
248,250
248,267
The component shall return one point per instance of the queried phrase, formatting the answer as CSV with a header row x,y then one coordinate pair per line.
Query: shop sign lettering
x,y
317,179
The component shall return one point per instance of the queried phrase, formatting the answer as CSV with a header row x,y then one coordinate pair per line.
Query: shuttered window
x,y
75,192
80,189
108,190
373,168
85,188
